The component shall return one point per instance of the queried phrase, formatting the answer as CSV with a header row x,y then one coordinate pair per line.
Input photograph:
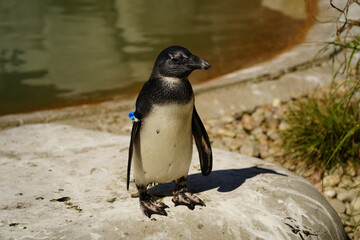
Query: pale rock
x,y
331,180
259,134
356,204
246,198
250,148
337,205
346,181
309,172
225,132
269,159
264,150
300,170
227,119
248,122
258,116
283,126
349,209
212,122
217,143
347,196
272,123
273,135
227,141
338,171
330,192
276,102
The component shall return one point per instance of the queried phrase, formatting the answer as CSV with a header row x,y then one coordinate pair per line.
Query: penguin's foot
x,y
184,197
149,207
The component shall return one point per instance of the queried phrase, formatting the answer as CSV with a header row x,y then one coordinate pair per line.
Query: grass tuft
x,y
324,131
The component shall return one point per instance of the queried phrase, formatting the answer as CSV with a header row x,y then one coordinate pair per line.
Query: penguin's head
x,y
177,62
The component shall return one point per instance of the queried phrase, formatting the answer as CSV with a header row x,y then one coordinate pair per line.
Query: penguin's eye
x,y
175,60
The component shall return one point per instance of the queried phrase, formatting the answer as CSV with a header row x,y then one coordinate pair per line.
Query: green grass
x,y
324,131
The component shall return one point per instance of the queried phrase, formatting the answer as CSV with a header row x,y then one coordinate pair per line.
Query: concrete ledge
x,y
62,182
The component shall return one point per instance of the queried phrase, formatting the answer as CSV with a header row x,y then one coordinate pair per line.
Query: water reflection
x,y
55,53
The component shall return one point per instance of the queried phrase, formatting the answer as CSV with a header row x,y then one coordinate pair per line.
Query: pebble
x,y
248,122
331,180
347,196
338,205
258,116
276,102
256,134
330,192
356,204
250,148
227,133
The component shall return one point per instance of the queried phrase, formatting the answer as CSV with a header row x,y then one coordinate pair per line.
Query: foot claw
x,y
149,207
188,199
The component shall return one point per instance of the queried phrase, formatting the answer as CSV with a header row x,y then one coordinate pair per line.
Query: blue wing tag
x,y
132,117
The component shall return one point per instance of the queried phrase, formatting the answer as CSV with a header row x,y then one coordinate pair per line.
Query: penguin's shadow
x,y
224,180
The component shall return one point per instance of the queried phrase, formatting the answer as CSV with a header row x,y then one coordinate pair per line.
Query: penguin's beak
x,y
199,63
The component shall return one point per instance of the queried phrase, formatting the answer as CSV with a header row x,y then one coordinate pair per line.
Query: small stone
x,y
339,171
349,209
225,132
250,148
346,181
337,205
331,180
235,145
264,150
258,116
273,135
259,134
276,102
356,204
330,192
212,122
269,159
347,196
283,126
272,123
309,172
227,119
217,143
248,122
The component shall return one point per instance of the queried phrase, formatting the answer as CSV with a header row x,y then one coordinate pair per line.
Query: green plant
x,y
323,131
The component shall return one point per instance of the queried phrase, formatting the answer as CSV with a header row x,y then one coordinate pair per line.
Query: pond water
x,y
60,53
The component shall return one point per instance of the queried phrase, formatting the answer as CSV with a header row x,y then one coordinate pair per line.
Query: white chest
x,y
164,146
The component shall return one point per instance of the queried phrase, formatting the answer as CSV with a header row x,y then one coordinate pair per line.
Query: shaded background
x,y
60,53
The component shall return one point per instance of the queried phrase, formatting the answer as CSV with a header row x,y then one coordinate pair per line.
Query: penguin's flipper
x,y
202,143
135,129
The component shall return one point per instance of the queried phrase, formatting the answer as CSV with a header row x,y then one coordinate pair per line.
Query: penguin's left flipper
x,y
134,130
202,143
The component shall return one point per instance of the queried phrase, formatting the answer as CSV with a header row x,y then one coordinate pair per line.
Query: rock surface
x,y
58,181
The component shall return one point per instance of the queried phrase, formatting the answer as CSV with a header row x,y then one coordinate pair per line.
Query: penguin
x,y
164,122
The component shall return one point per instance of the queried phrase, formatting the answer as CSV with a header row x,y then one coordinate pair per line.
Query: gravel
x,y
256,134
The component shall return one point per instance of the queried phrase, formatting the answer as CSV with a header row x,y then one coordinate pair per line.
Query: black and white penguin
x,y
163,125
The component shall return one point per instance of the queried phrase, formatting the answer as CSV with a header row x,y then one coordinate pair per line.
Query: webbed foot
x,y
182,196
186,198
148,206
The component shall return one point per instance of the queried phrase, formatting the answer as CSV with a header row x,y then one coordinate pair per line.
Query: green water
x,y
65,52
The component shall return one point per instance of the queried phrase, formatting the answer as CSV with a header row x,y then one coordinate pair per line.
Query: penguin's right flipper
x,y
202,143
135,129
